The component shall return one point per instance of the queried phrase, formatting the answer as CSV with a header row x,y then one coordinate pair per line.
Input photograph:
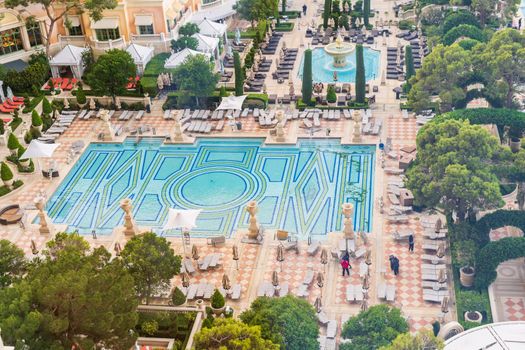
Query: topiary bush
x,y
5,172
331,97
46,106
36,120
463,30
150,327
457,18
2,127
12,142
81,96
177,297
217,300
360,77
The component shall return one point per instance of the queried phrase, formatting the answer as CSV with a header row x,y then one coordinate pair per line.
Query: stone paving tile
x,y
514,309
416,323
503,232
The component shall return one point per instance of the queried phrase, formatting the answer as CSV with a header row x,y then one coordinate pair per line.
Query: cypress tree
x,y
366,14
307,77
283,8
360,80
409,63
327,12
239,76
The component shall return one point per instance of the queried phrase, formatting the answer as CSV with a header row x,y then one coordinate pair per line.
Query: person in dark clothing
x,y
411,243
304,9
396,266
391,259
345,265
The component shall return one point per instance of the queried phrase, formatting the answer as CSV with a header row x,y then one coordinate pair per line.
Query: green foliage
x,y
406,24
150,327
500,116
344,21
283,6
223,92
169,324
46,106
239,76
151,262
177,297
409,64
12,142
32,134
331,97
34,74
424,339
189,29
327,12
494,253
468,44
156,65
451,174
465,253
455,19
12,263
360,80
73,296
463,30
35,118
2,127
307,75
184,42
288,321
196,77
366,12
217,300
81,96
373,328
436,327
255,10
122,67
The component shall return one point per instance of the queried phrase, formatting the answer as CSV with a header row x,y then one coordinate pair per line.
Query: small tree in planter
x,y
465,257
177,297
24,163
36,120
6,174
150,327
331,97
81,97
13,144
217,302
46,106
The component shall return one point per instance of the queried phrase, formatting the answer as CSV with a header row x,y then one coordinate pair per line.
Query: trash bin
x,y
148,108
239,125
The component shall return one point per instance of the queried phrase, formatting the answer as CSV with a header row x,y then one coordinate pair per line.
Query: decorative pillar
x,y
92,104
42,216
357,126
279,127
177,135
253,229
130,229
348,229
25,38
108,130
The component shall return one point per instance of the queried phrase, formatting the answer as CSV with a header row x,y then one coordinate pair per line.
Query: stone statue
x,y
130,229
357,125
348,229
253,228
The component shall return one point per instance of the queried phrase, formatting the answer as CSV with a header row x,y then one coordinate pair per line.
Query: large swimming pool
x,y
298,188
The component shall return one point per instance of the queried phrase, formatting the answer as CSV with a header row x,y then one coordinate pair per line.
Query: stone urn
x,y
515,144
24,162
473,316
218,311
466,276
8,183
81,105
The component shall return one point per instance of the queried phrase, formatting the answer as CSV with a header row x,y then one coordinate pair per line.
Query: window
x,y
107,34
76,30
145,29
10,41
33,32
204,2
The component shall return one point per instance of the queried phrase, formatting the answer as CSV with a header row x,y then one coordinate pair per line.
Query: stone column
x,y
348,229
108,130
177,134
280,137
25,38
253,229
130,228
357,126
44,229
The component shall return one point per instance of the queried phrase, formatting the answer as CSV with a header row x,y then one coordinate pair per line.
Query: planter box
x,y
466,276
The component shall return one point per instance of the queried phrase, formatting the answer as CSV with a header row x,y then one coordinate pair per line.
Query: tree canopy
x,y
196,77
452,168
290,322
373,328
152,263
424,339
12,263
111,72
72,297
232,334
253,11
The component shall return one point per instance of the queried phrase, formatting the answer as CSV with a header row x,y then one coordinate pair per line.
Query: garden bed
x,y
5,190
284,27
166,324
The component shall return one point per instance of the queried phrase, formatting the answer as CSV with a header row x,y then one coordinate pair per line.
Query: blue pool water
x,y
323,68
298,188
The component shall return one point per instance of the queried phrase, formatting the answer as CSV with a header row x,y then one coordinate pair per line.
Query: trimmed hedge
x,y
494,254
457,18
284,27
498,219
463,30
499,116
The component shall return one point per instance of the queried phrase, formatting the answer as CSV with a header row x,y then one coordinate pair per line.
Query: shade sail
x,y
105,23
37,149
181,219
232,102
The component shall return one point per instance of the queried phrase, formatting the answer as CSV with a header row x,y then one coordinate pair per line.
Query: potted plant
x,y
81,97
217,302
13,144
515,140
465,255
47,109
6,174
177,297
473,316
23,162
36,120
331,97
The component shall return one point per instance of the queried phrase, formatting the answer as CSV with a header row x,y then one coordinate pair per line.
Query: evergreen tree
x,y
360,80
307,77
283,3
326,12
239,76
409,64
366,14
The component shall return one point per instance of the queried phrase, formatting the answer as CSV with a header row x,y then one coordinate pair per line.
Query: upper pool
x,y
298,188
323,68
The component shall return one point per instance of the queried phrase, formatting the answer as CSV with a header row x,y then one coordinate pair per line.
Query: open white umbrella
x,y
37,149
232,102
181,219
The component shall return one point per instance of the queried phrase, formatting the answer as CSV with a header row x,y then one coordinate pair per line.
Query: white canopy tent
x,y
70,56
179,57
207,44
141,56
216,13
210,28
232,102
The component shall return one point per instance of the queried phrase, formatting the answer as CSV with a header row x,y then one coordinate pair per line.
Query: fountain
x,y
339,50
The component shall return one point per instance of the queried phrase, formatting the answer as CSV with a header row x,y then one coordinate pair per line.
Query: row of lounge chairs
x,y
61,83
270,47
64,121
11,104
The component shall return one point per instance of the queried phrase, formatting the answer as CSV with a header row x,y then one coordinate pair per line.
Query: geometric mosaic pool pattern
x,y
298,188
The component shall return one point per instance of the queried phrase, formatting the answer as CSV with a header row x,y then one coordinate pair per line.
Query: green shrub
x,y
81,96
156,65
331,97
2,127
223,92
36,120
150,327
217,300
29,169
468,44
31,134
149,84
46,106
457,18
239,76
12,142
463,30
5,172
284,27
465,253
32,75
436,327
177,297
406,24
21,151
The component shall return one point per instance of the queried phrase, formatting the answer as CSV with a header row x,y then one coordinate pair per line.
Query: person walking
x,y
391,259
411,243
346,266
304,9
396,266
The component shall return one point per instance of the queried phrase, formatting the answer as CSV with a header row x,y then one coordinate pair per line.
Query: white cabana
x,y
141,56
70,56
232,102
207,44
179,57
210,28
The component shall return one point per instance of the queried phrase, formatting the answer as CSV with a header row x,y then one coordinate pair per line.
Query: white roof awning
x,y
143,20
206,43
74,21
141,54
215,13
210,28
179,57
105,23
69,55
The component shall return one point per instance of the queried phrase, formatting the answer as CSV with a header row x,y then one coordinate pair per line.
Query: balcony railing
x,y
119,43
77,40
